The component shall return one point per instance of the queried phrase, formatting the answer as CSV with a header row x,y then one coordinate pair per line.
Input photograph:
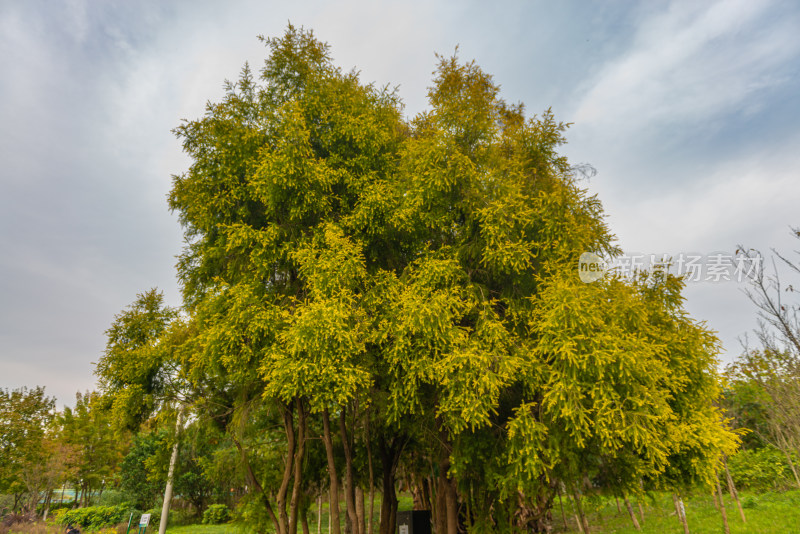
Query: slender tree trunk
x,y
584,521
350,491
576,516
680,510
619,510
333,513
722,507
732,489
632,514
319,514
298,466
440,520
250,476
639,500
452,507
330,507
371,478
447,499
360,510
283,489
162,526
390,456
793,468
304,521
563,515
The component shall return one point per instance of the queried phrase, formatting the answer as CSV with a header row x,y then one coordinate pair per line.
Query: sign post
x,y
143,522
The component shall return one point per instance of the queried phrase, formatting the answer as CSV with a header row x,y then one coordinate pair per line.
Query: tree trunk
x,y
283,489
632,514
390,456
350,492
250,476
304,521
794,469
298,467
440,520
319,514
584,521
447,494
371,478
732,489
722,507
333,513
360,511
162,526
639,500
680,510
563,515
47,500
619,510
452,507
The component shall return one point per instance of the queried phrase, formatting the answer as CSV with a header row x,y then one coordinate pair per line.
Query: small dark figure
x,y
72,530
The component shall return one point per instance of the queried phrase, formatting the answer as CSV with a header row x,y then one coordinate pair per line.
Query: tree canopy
x,y
415,281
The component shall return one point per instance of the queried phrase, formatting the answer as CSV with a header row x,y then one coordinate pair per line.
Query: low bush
x,y
95,517
155,516
216,514
759,469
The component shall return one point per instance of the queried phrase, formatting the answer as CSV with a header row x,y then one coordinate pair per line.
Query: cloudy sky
x,y
689,111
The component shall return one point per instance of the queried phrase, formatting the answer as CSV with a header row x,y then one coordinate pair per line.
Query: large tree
x,y
410,287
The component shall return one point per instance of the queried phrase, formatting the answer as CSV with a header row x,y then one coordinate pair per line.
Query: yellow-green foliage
x,y
338,252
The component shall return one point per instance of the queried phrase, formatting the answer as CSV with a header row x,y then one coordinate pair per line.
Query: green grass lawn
x,y
202,529
767,513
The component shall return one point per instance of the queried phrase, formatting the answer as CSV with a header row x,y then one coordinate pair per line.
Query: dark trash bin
x,y
414,522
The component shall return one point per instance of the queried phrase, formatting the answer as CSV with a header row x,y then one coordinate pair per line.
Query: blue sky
x,y
689,112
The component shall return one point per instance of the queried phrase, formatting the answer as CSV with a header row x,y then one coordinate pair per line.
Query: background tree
x,y
88,429
772,370
26,440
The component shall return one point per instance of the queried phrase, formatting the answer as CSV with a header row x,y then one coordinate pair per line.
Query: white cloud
x,y
748,198
690,62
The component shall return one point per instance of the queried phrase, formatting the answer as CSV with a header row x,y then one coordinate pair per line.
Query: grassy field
x,y
202,529
768,513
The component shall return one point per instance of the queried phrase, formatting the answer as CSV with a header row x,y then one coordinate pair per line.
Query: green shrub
x,y
749,502
155,516
759,469
216,514
95,517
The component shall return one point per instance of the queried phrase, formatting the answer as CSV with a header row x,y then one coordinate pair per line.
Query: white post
x,y
162,526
